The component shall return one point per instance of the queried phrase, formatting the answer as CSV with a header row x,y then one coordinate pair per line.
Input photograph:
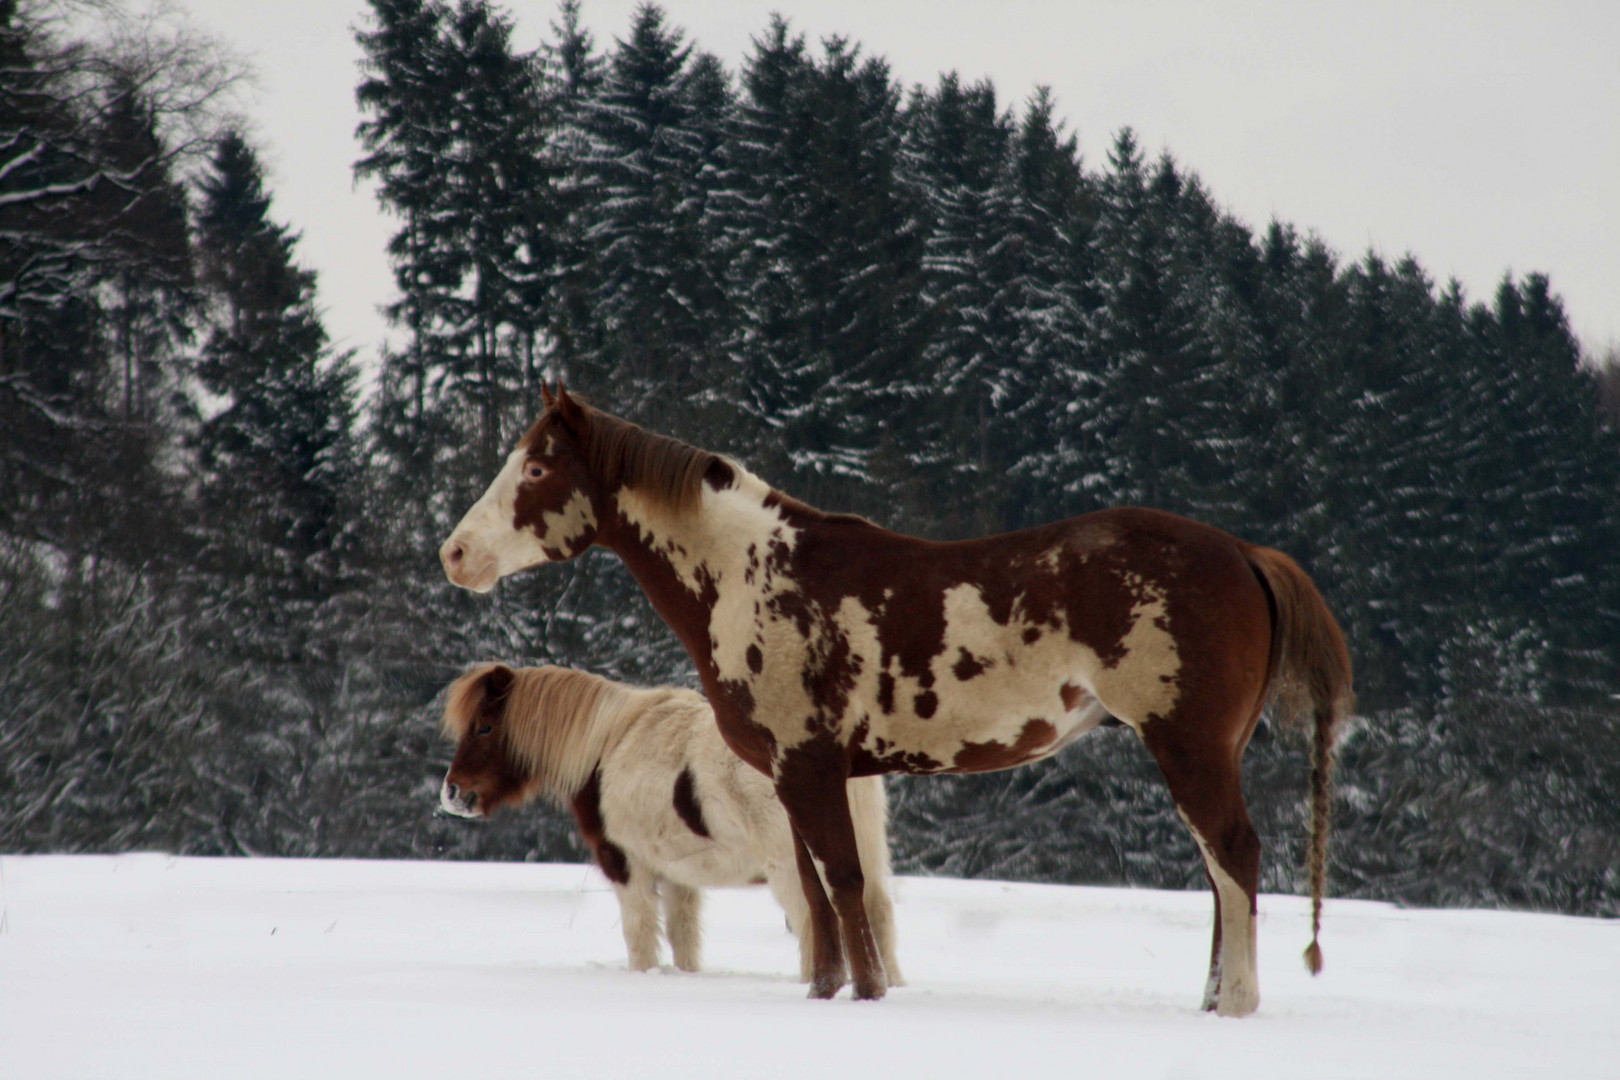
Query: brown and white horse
x,y
830,648
665,807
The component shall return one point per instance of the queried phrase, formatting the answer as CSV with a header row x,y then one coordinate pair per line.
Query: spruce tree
x,y
649,166
828,277
274,449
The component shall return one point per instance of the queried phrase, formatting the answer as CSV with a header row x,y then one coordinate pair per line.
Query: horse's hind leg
x,y
1206,786
683,925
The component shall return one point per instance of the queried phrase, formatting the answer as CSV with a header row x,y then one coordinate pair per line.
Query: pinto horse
x,y
666,809
831,648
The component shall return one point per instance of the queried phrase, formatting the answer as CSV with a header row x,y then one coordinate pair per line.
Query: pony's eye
x,y
533,471
485,729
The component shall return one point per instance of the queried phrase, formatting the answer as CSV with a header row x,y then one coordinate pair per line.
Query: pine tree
x,y
960,155
1053,212
649,166
276,455
828,277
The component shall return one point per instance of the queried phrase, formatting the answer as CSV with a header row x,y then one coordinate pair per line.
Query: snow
x,y
145,965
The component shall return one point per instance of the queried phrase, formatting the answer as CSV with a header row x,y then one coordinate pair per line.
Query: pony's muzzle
x,y
453,799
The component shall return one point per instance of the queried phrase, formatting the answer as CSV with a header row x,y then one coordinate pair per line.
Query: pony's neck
x,y
563,756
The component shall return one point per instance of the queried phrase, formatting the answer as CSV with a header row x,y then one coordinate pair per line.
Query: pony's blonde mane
x,y
558,722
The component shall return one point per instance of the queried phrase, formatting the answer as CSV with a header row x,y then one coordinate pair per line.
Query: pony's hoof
x,y
873,992
825,989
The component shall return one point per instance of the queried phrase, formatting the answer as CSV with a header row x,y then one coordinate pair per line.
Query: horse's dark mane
x,y
624,455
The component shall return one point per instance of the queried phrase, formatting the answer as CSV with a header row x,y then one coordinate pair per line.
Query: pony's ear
x,y
498,682
547,398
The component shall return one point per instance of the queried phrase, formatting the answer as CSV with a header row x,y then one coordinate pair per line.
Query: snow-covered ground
x,y
152,966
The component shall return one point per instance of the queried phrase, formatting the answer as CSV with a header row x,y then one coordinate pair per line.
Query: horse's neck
x,y
676,555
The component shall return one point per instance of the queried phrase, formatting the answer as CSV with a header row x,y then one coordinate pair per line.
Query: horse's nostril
x,y
455,554
451,790
472,799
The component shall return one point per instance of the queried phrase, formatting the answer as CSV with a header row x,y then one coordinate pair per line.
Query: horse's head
x,y
543,506
485,775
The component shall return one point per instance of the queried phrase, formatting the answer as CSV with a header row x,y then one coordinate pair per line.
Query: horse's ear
x,y
547,398
567,407
498,682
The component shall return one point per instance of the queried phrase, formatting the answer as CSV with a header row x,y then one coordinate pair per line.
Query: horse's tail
x,y
1310,676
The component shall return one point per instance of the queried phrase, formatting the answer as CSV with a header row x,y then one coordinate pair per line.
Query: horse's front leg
x,y
812,790
826,945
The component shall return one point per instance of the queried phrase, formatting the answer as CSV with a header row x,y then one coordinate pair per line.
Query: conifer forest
x,y
224,629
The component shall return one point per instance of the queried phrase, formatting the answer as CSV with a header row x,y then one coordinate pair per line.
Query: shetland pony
x,y
666,809
830,647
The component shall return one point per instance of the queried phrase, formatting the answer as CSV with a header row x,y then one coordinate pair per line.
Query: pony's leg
x,y
683,909
826,947
638,915
785,886
1208,793
880,913
817,803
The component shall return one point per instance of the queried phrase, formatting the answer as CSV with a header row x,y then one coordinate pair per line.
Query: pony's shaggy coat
x,y
667,809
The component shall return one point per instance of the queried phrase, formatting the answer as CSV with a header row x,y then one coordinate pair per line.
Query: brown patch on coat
x,y
587,806
968,666
687,805
1033,741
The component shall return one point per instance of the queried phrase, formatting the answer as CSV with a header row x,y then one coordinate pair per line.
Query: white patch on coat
x,y
1016,681
1143,684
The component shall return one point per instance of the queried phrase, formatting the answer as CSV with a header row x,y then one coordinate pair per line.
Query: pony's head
x,y
557,490
485,775
524,732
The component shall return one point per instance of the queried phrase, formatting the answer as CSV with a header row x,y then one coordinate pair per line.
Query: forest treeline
x,y
224,629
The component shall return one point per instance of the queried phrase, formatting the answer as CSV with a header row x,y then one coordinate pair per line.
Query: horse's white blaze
x,y
490,542
492,546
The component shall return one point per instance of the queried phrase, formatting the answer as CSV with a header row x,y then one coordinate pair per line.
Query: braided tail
x,y
1311,677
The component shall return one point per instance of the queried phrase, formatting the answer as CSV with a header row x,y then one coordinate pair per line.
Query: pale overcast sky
x,y
1481,136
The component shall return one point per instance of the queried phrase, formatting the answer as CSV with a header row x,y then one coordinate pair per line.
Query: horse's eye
x,y
485,729
533,471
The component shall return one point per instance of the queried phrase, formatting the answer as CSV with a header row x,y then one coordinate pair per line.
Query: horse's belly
x,y
957,741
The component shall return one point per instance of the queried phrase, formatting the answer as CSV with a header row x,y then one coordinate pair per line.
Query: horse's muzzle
x,y
467,568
